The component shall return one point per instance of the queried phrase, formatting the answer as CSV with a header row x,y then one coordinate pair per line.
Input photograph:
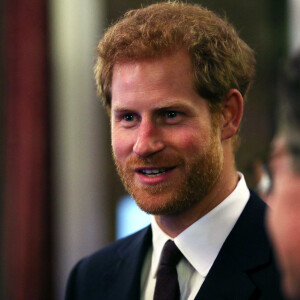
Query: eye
x,y
171,117
171,114
128,117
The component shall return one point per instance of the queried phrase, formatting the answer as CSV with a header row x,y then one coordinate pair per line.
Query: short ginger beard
x,y
203,171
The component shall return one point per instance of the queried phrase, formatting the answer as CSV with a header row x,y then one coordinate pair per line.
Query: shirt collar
x,y
201,242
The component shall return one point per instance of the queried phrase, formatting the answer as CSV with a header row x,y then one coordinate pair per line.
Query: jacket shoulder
x,y
93,271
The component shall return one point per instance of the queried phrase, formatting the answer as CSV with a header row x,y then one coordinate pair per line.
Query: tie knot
x,y
170,254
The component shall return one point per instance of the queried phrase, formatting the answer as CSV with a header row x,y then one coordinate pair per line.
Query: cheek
x,y
191,140
121,145
284,221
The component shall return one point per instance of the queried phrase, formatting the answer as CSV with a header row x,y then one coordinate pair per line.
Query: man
x,y
284,215
173,77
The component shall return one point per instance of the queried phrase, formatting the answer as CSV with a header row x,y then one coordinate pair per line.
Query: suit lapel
x,y
245,249
226,281
125,274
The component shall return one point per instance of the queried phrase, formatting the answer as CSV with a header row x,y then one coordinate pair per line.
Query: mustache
x,y
157,160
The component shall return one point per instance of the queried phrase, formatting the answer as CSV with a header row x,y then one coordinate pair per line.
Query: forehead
x,y
167,75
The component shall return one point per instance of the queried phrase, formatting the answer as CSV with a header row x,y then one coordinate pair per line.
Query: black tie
x,y
167,286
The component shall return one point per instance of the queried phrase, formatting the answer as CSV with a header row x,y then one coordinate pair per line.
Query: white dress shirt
x,y
200,244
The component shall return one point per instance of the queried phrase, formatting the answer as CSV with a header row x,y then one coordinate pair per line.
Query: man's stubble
x,y
202,171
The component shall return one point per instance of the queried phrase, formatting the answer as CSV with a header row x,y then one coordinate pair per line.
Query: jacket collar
x,y
245,250
126,271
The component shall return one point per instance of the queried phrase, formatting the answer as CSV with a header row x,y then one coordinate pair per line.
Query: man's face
x,y
167,151
284,217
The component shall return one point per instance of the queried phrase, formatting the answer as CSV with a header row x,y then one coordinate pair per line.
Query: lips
x,y
153,172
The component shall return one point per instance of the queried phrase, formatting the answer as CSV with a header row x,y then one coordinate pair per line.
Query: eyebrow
x,y
164,106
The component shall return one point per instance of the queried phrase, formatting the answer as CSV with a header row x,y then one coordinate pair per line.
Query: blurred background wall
x,y
59,189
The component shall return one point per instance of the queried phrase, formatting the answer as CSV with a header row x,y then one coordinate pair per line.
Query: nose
x,y
149,139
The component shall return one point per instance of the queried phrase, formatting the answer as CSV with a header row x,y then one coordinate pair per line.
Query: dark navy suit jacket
x,y
244,268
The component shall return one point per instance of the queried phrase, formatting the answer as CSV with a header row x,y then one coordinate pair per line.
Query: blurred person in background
x,y
262,179
284,215
173,78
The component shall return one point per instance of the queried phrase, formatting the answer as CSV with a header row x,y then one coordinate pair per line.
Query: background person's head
x,y
289,109
284,215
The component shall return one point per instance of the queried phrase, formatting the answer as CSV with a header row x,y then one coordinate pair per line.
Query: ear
x,y
232,112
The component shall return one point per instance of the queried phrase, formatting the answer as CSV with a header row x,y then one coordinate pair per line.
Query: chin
x,y
162,203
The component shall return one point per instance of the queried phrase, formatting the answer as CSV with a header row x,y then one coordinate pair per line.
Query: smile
x,y
154,172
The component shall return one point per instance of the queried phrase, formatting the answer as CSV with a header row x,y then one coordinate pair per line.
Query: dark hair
x,y
289,107
289,89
